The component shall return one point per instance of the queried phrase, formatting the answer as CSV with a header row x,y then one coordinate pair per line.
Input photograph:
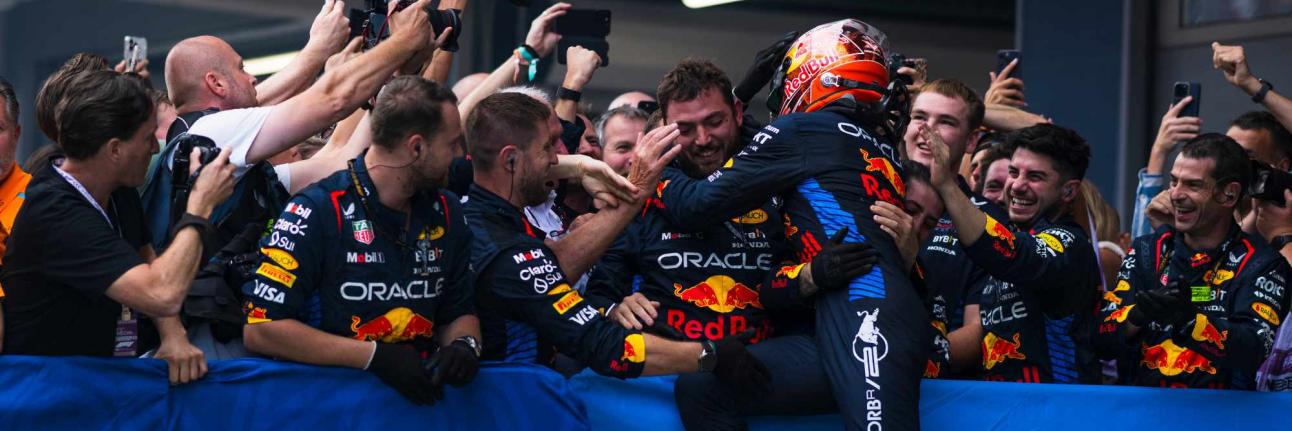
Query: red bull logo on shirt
x,y
398,324
1002,233
634,349
996,350
1204,331
719,293
1172,360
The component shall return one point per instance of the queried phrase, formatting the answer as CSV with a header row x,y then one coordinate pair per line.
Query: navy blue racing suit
x,y
1238,289
707,281
341,262
528,311
829,169
1038,307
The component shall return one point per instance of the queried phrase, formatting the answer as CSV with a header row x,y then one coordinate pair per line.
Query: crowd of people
x,y
884,226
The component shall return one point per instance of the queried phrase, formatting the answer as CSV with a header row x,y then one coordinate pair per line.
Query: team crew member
x,y
13,181
368,268
953,111
528,309
704,283
829,165
1198,302
1036,309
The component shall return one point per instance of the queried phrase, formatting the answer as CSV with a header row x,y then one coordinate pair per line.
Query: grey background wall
x,y
1103,67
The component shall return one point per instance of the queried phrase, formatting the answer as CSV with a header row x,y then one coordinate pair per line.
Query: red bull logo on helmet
x,y
1172,360
398,324
719,293
996,350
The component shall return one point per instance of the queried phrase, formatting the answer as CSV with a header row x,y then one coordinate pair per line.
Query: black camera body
x,y
371,22
1269,183
898,61
181,181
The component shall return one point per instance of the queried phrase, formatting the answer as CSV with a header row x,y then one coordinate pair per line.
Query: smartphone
x,y
584,22
598,45
1184,89
135,51
1004,56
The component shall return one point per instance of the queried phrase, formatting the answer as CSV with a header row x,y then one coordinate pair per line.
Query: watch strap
x,y
568,94
1259,97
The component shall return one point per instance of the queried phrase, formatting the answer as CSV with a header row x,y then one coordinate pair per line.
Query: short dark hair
x,y
996,152
1066,149
10,100
408,105
55,86
1263,120
916,171
692,77
501,119
100,105
1232,164
959,90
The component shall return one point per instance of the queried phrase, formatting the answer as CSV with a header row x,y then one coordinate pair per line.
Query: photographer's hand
x,y
214,183
542,35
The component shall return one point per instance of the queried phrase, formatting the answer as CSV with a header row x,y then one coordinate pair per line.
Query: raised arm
x,y
327,36
339,92
158,288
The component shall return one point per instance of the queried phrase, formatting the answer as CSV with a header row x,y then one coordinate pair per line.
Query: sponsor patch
x,y
362,231
1266,312
567,302
273,272
282,258
634,348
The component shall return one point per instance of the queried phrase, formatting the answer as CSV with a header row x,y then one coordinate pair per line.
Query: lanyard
x,y
126,339
80,188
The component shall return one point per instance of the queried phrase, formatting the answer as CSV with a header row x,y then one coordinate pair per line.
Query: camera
x,y
1268,183
371,22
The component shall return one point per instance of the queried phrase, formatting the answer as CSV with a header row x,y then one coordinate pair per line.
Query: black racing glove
x,y
838,263
455,364
400,366
765,64
1165,306
739,369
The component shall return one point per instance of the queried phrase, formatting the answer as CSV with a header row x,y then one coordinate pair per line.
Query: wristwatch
x,y
471,342
708,356
1265,89
568,94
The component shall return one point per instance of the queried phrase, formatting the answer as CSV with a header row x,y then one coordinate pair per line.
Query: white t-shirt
x,y
236,129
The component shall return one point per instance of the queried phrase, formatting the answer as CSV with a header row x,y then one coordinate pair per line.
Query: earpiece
x,y
511,160
417,150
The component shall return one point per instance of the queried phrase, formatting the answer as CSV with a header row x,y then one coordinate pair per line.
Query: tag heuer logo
x,y
362,231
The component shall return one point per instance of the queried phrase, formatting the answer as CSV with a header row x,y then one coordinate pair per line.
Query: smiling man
x,y
1035,309
1202,298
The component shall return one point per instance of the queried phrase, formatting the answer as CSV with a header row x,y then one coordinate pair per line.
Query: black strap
x,y
1280,241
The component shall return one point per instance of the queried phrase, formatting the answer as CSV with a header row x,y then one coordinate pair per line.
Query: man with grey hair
x,y
617,130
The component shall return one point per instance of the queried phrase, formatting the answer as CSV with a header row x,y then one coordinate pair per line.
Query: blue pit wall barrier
x,y
54,393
